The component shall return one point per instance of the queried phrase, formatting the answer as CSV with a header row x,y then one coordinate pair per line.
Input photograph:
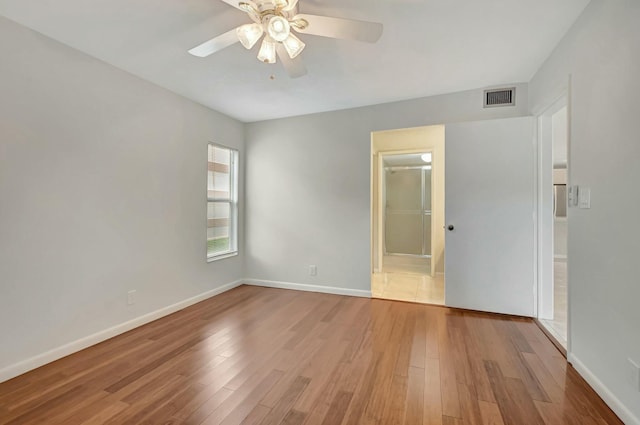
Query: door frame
x,y
543,162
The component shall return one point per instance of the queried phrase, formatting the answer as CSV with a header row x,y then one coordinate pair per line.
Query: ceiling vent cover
x,y
500,97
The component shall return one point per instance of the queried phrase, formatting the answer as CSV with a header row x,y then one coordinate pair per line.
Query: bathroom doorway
x,y
408,214
553,208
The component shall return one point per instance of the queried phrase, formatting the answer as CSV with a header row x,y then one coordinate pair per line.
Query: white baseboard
x,y
309,288
24,366
612,401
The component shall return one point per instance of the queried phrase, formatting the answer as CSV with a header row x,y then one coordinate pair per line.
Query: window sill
x,y
222,256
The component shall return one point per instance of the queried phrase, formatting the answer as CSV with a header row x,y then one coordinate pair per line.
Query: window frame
x,y
232,201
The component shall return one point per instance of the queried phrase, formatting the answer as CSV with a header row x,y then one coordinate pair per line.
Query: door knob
x,y
450,227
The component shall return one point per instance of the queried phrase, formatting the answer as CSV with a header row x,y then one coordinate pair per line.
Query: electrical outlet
x,y
131,297
313,270
634,370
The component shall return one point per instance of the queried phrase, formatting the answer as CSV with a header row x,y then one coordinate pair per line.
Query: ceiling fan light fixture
x,y
246,6
249,34
267,53
291,4
293,45
278,28
300,24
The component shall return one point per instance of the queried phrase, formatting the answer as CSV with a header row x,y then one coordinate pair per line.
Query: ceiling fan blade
x,y
215,44
294,67
348,29
234,3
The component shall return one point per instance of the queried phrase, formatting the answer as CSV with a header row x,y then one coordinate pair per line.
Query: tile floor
x,y
408,279
558,326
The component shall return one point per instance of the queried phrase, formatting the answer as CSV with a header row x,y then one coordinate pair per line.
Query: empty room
x,y
319,212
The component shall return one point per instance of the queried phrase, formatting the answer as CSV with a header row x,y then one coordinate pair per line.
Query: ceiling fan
x,y
275,19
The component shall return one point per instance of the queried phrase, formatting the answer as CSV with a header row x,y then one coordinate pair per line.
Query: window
x,y
222,202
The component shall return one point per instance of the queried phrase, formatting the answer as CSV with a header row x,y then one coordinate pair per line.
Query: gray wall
x,y
308,186
601,55
102,190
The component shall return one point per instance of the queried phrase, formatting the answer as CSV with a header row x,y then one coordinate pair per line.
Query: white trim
x,y
34,362
309,288
605,393
221,256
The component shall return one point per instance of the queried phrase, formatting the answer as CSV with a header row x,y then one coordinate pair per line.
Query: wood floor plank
x,y
469,404
514,402
205,402
419,345
432,349
106,414
490,413
414,404
553,415
251,392
432,407
242,410
362,398
345,379
338,408
294,417
394,409
450,420
257,414
448,373
286,402
479,378
269,356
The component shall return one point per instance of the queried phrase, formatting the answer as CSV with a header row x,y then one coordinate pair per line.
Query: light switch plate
x,y
573,196
584,197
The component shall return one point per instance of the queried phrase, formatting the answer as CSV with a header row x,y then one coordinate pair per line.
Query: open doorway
x,y
553,206
407,215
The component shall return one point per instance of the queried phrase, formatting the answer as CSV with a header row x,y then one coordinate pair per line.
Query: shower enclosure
x,y
407,197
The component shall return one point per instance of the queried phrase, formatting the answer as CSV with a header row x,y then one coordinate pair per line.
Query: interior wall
x,y
430,138
600,53
559,125
308,186
103,190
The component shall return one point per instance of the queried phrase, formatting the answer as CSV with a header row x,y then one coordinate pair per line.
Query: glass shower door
x,y
408,211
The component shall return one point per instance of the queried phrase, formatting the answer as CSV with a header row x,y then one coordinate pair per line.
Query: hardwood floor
x,y
268,356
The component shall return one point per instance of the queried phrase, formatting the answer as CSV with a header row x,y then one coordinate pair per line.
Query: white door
x,y
489,202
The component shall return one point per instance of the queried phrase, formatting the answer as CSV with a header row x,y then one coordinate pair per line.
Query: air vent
x,y
500,97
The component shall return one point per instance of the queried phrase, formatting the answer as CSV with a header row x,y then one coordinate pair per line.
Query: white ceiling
x,y
428,47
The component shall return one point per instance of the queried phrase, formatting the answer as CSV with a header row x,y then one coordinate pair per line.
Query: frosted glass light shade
x,y
293,45
267,52
278,28
249,34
